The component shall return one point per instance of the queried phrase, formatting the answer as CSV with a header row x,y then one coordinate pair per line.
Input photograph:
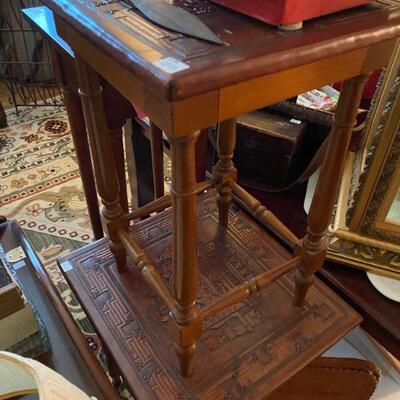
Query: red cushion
x,y
284,12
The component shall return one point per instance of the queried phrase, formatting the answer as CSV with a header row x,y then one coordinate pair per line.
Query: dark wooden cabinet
x,y
269,147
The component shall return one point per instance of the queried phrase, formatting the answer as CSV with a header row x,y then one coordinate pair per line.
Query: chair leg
x,y
225,169
185,250
313,246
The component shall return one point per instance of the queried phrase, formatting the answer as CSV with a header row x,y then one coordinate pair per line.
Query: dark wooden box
x,y
268,147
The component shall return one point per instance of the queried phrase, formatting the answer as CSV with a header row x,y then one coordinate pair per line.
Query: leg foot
x,y
303,282
185,357
224,201
119,253
312,250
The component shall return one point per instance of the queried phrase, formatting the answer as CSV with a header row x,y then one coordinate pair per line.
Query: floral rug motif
x,y
40,186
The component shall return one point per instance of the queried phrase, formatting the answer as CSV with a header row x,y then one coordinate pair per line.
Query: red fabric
x,y
370,86
284,12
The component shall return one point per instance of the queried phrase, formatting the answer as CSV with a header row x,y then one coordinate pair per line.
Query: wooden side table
x,y
184,86
149,182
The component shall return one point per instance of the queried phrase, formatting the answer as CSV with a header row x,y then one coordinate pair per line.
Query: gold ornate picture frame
x,y
365,232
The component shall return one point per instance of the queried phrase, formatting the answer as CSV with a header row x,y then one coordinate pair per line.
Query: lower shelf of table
x,y
246,351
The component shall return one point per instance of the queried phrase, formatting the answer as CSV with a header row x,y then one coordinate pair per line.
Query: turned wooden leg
x,y
90,91
185,250
225,170
119,158
76,120
313,246
66,74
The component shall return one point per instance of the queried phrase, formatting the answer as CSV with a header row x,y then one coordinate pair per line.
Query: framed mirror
x,y
365,231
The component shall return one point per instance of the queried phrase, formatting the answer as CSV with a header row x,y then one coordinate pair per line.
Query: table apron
x,y
179,118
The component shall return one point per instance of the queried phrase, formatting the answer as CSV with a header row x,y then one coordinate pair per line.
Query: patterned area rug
x,y
40,188
40,185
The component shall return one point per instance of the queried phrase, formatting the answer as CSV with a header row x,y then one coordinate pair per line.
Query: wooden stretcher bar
x,y
264,215
146,268
251,287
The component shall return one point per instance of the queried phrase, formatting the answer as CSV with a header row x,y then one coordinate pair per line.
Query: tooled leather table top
x,y
251,48
246,351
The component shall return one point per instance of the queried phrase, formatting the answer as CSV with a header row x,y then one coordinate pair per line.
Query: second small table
x,y
185,85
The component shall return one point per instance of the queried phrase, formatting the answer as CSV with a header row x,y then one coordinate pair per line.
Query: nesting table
x,y
240,311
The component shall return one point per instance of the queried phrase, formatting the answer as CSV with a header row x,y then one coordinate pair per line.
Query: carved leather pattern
x,y
243,347
162,39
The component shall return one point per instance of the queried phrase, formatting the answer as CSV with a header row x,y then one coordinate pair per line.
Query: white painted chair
x,y
19,375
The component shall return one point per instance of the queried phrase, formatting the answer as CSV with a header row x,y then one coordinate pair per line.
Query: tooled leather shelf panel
x,y
251,48
246,351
